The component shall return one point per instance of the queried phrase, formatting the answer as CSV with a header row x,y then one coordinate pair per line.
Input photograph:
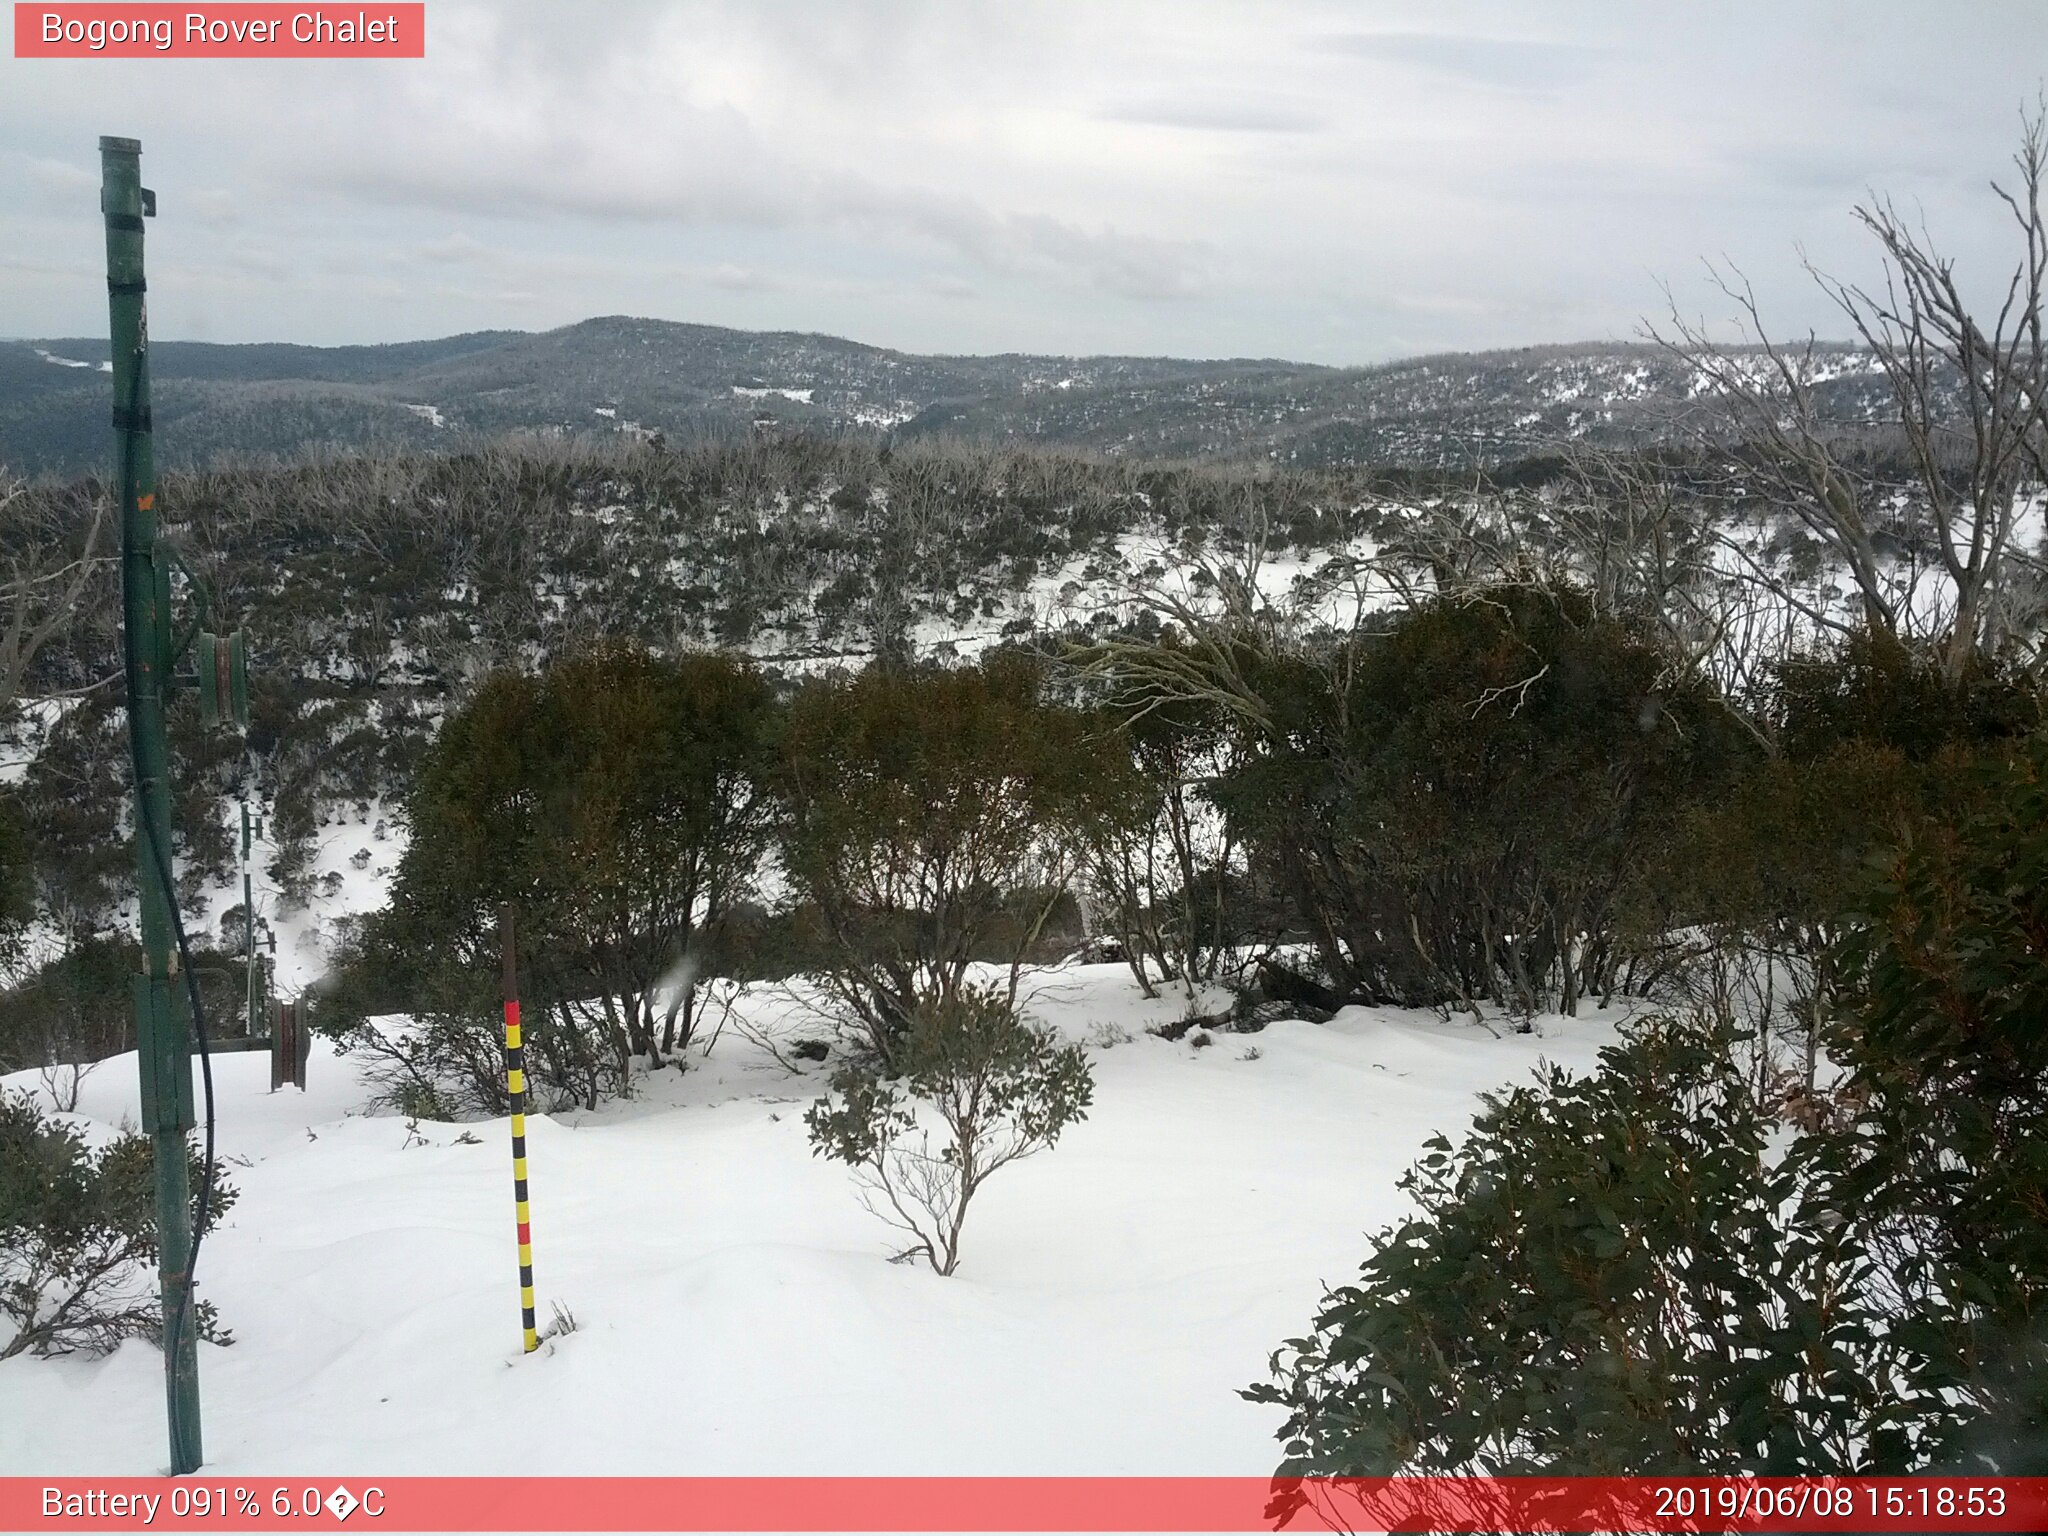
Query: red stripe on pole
x,y
1009,1504
525,1232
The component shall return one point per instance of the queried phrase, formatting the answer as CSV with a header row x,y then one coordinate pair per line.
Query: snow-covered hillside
x,y
735,1308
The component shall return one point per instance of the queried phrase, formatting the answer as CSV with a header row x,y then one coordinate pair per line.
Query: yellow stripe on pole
x,y
515,1088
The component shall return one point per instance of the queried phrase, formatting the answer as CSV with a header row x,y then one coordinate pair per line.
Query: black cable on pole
x,y
146,824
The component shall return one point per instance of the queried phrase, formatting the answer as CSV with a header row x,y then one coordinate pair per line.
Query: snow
x,y
800,396
736,1311
428,413
883,416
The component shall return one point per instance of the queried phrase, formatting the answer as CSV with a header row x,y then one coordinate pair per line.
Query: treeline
x,y
380,593
1670,1278
1499,801
376,591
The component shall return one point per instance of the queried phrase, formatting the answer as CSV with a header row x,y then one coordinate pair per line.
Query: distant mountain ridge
x,y
215,402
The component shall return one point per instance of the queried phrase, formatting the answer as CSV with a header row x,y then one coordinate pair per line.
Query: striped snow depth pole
x,y
515,1087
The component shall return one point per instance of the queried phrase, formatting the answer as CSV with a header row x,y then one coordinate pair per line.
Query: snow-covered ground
x,y
736,1311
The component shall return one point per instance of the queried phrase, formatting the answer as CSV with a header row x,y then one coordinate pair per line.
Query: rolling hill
x,y
616,374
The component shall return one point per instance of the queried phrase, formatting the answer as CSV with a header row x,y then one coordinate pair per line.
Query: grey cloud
x,y
76,270
61,176
1217,116
734,278
274,265
1846,173
1321,180
756,189
456,249
1519,62
214,207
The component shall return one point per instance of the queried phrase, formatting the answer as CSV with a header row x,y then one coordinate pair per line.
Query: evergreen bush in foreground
x,y
78,1238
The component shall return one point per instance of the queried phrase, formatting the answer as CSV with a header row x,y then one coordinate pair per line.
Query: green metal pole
x,y
248,925
161,1029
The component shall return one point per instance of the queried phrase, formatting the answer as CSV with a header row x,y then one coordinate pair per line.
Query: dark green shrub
x,y
1875,689
1614,1275
1620,1275
17,876
1877,746
77,1008
1463,807
78,1237
1948,1049
617,802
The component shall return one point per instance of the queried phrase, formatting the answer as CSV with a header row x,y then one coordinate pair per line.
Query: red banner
x,y
1119,1504
361,31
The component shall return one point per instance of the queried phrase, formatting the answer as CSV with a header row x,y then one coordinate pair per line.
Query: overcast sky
x,y
1336,183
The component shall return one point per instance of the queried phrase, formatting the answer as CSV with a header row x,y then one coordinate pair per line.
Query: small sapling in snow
x,y
999,1088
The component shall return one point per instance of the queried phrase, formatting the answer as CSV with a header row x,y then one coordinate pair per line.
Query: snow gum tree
x,y
999,1090
929,820
1967,371
1159,867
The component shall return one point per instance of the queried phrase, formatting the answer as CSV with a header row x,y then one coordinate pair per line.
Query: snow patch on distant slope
x,y
70,362
883,416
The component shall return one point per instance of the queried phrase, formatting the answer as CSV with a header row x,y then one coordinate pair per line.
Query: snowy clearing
x,y
736,1311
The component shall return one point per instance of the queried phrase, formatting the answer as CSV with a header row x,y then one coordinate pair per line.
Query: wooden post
x,y
291,1042
282,1045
